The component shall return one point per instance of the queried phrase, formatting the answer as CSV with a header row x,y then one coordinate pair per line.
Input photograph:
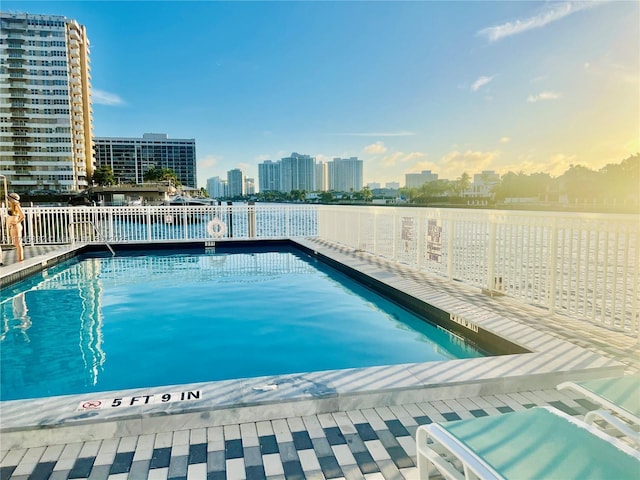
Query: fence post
x,y
30,222
491,255
394,240
420,237
251,219
72,237
635,314
375,232
148,208
553,264
230,217
450,254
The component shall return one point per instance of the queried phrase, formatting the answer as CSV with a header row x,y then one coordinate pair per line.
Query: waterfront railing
x,y
139,224
582,265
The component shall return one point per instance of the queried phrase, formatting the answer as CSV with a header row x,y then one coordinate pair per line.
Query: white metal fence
x,y
583,265
64,225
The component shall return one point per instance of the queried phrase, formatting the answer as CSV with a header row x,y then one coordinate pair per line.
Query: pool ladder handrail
x,y
95,229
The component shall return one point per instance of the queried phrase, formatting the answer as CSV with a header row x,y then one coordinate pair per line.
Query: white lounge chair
x,y
540,443
619,398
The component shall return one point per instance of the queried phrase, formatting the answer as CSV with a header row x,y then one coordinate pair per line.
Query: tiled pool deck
x,y
351,424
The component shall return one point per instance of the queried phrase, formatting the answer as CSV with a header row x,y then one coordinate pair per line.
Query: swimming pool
x,y
97,323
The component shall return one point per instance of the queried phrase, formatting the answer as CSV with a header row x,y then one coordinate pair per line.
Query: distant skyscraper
x,y
216,187
45,100
269,176
249,186
322,176
416,180
130,158
373,185
236,183
297,172
392,185
345,174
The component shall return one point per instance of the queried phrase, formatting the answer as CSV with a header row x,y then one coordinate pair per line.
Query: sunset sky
x,y
450,87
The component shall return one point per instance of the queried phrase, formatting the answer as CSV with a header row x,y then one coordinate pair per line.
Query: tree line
x,y
103,176
614,183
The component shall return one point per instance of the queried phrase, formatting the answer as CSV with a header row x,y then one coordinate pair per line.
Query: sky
x,y
450,87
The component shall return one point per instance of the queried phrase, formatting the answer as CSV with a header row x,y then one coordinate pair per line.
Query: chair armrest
x,y
614,421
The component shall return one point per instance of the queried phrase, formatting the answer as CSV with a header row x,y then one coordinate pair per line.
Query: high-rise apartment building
x,y
297,172
322,176
45,103
216,187
345,174
250,186
236,183
269,176
130,158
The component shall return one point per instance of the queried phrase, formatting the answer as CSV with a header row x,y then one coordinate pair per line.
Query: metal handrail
x,y
95,229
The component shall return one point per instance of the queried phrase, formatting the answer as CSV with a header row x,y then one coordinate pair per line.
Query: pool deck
x,y
357,423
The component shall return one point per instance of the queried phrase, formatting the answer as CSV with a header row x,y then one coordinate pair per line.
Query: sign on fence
x,y
434,241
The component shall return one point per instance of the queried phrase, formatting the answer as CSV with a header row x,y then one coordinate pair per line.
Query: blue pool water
x,y
111,323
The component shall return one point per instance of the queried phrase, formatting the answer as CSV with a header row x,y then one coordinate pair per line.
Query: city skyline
x,y
405,86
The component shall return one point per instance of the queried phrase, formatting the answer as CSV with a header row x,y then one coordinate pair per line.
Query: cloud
x,y
209,161
106,98
377,148
454,163
419,167
555,165
378,134
551,13
543,96
480,82
401,157
505,140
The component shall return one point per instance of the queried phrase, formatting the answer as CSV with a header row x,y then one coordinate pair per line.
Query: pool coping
x,y
45,421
